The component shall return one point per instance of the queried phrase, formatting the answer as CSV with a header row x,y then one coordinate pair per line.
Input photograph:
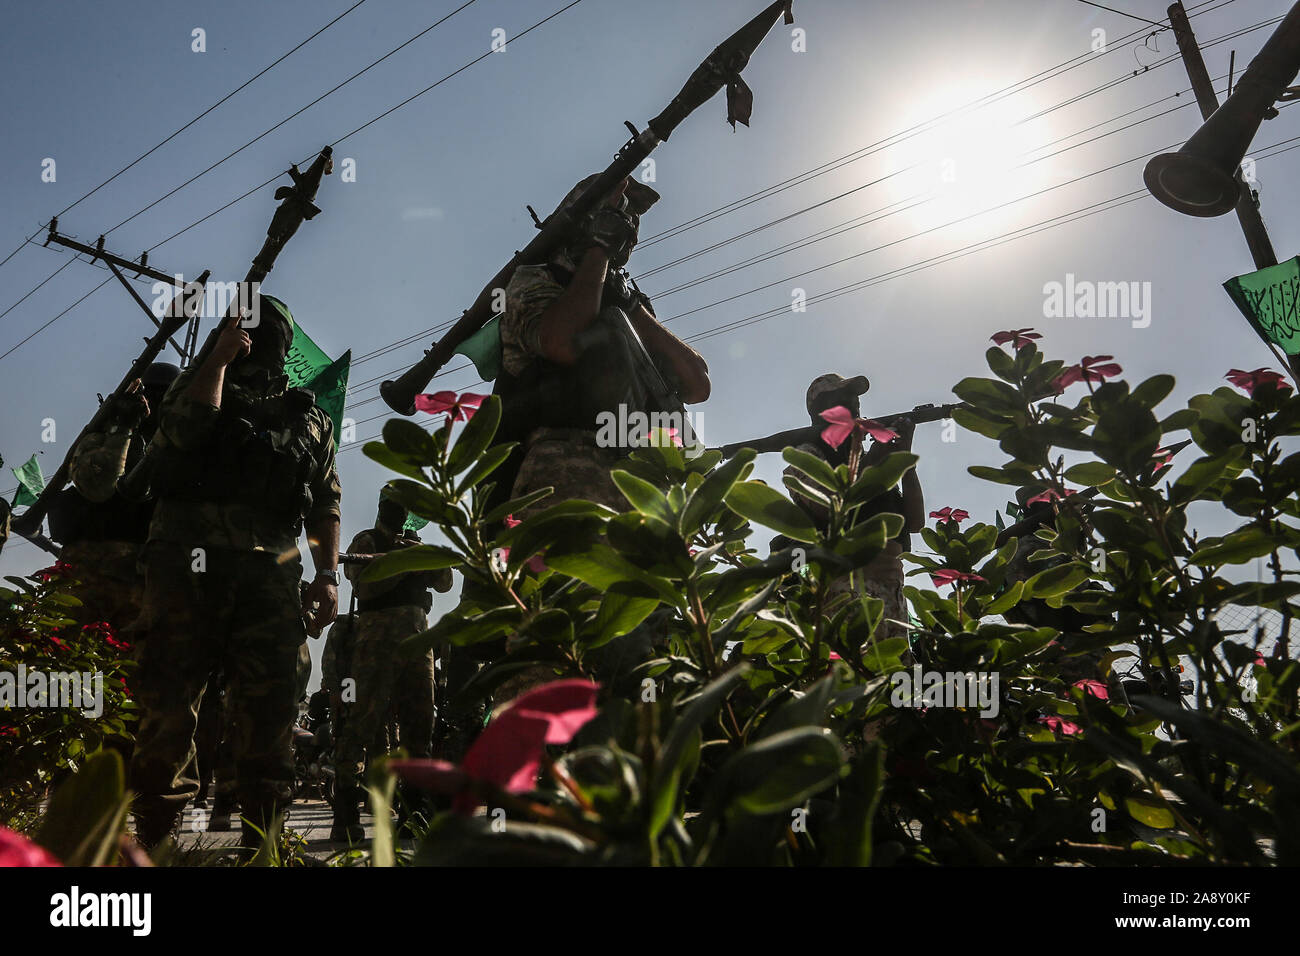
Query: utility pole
x,y
1248,215
1252,225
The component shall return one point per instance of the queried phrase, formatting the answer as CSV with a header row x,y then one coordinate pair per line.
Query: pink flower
x,y
60,569
843,424
1088,371
949,576
508,754
1051,494
950,514
1249,381
1017,337
1094,687
17,850
437,776
1061,726
458,408
535,563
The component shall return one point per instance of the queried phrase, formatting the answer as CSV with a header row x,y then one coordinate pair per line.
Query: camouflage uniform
x,y
222,589
105,559
566,458
388,612
336,666
102,532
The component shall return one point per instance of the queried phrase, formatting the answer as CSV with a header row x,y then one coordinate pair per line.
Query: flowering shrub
x,y
750,711
50,726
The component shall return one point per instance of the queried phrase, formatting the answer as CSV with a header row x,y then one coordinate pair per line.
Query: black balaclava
x,y
392,516
263,366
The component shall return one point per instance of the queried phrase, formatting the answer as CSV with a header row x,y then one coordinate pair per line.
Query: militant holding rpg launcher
x,y
298,203
720,69
178,313
812,433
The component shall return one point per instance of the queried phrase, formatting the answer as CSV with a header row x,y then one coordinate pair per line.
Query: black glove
x,y
127,411
612,230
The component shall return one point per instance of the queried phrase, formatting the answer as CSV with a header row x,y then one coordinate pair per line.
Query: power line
x,y
297,112
869,218
1102,6
38,331
336,142
980,102
182,129
416,336
250,192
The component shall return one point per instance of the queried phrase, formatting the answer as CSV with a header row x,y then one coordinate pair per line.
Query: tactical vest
x,y
241,465
408,592
411,590
612,369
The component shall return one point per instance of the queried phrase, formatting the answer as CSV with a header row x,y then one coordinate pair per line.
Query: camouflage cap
x,y
831,382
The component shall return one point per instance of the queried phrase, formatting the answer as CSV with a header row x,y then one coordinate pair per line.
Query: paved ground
x,y
310,819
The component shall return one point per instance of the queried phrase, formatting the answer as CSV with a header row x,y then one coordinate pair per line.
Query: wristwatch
x,y
331,576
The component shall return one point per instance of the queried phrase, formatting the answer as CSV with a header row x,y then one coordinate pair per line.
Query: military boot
x,y
152,828
347,817
223,805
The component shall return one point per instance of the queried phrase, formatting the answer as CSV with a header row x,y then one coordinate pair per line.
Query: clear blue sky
x,y
441,187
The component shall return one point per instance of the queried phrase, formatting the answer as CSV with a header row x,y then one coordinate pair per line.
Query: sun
x,y
962,175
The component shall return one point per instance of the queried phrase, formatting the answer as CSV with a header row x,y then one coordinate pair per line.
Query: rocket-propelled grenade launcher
x,y
721,69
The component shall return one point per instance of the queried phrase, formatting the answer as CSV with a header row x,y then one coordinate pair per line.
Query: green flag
x,y
1270,300
331,389
483,348
309,367
30,482
305,360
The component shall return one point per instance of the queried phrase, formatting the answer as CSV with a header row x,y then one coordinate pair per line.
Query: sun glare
x,y
969,169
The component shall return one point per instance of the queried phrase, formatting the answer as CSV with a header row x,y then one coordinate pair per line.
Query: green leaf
x,y
803,710
619,614
989,395
713,489
378,451
1149,811
490,461
1001,364
981,422
880,478
1091,473
815,468
502,511
420,557
476,436
757,502
781,771
86,813
606,570
860,794
1154,390
411,442
697,709
1055,581
462,631
644,497
1237,548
